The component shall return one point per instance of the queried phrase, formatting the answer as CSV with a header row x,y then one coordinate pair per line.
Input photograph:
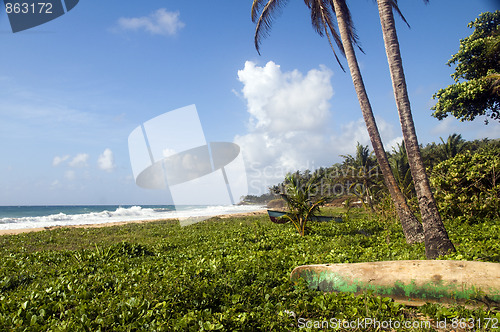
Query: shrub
x,y
468,185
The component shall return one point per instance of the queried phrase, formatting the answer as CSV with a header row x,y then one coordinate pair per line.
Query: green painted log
x,y
411,282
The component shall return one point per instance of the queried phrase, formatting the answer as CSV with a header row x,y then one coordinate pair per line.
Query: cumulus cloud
x,y
287,128
286,101
80,160
160,22
290,124
106,160
58,160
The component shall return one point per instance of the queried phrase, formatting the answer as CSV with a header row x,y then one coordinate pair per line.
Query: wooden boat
x,y
277,217
412,282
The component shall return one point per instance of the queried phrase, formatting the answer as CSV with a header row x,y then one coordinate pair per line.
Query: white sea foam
x,y
133,213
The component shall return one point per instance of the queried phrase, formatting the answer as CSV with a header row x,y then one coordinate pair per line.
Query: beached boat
x,y
413,282
277,217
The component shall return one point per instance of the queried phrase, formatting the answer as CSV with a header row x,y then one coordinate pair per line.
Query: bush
x,y
468,185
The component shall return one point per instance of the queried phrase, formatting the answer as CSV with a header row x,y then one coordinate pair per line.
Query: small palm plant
x,y
304,197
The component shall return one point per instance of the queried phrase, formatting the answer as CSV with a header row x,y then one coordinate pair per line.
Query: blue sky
x,y
74,88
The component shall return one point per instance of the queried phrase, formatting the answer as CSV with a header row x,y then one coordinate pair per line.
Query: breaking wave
x,y
132,213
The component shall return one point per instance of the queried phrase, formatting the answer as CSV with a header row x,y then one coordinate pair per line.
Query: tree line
x,y
464,178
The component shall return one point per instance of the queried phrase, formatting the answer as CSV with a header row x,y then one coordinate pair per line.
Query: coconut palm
x,y
304,197
453,146
435,236
322,14
401,170
364,176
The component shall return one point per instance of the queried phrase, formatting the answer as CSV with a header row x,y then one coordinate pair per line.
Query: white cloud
x,y
70,175
289,101
160,22
290,125
287,129
393,144
355,131
469,130
446,126
106,160
58,160
80,160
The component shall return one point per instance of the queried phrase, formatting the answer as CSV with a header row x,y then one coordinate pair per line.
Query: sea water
x,y
19,217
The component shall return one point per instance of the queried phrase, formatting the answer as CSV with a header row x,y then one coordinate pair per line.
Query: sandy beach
x,y
119,223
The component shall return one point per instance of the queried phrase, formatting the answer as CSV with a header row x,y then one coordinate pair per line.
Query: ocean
x,y
20,217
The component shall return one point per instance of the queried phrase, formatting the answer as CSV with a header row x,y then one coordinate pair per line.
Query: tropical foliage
x,y
220,274
460,170
477,74
322,14
468,185
304,197
361,171
434,153
401,169
453,146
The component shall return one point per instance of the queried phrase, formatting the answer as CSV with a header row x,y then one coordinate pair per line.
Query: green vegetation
x,y
221,274
363,174
468,185
477,64
233,274
303,198
464,176
401,170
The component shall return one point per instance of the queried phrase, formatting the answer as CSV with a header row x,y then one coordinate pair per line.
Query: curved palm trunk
x,y
412,228
436,238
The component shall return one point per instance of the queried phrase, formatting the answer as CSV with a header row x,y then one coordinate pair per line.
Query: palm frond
x,y
256,7
315,10
263,26
394,4
353,36
327,24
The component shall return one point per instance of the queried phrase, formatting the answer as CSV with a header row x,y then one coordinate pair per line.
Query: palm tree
x,y
304,197
435,236
364,176
453,146
322,13
401,170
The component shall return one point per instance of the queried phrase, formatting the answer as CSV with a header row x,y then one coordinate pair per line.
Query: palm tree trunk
x,y
436,238
412,228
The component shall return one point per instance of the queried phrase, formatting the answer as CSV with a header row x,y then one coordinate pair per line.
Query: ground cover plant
x,y
221,274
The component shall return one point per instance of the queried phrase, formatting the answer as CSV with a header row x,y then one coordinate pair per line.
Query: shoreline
x,y
118,223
